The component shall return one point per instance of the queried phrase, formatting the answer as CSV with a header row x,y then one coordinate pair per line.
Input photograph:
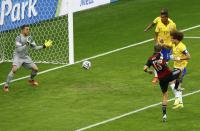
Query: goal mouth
x,y
54,29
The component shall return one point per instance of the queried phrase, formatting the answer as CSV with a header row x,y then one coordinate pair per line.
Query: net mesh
x,y
54,29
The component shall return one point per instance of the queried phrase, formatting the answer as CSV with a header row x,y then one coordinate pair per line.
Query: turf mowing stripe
x,y
130,113
102,54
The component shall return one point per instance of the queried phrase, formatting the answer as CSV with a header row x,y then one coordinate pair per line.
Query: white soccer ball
x,y
86,65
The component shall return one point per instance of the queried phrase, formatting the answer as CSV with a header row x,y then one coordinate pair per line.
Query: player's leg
x,y
175,92
176,73
172,85
17,62
9,78
174,81
179,98
183,73
29,64
164,106
180,89
164,86
34,70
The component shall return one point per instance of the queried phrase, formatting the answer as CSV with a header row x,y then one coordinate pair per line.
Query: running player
x,y
165,75
180,56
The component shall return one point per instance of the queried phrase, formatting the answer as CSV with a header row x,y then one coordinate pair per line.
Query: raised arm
x,y
149,27
146,69
35,47
186,56
156,37
47,43
147,66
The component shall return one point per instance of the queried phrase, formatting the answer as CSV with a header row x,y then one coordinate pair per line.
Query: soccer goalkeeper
x,y
21,57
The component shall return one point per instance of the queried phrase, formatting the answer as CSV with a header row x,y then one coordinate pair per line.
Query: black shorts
x,y
164,82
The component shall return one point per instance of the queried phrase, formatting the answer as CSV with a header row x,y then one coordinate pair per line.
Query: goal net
x,y
43,26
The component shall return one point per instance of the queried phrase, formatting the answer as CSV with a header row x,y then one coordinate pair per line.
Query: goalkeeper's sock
x,y
33,74
9,78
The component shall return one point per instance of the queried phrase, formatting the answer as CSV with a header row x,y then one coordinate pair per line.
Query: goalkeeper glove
x,y
47,43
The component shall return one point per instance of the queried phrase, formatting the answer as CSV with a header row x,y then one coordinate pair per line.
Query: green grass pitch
x,y
72,98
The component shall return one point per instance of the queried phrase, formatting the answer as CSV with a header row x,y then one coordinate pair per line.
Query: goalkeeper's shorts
x,y
25,62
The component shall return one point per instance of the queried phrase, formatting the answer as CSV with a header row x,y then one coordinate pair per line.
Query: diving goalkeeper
x,y
21,57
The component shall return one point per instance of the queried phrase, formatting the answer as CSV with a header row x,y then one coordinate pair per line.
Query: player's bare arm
x,y
156,38
187,57
149,27
146,69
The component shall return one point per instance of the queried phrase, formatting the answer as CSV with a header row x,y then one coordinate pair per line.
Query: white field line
x,y
192,37
96,56
130,113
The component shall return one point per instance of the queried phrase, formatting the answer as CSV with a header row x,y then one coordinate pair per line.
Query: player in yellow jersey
x,y
180,56
162,34
157,20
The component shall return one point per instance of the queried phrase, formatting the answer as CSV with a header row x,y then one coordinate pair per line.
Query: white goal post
x,y
71,33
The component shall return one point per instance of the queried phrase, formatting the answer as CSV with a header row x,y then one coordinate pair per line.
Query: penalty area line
x,y
192,37
96,56
130,113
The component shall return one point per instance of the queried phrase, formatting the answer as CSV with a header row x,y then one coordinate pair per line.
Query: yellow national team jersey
x,y
158,19
164,31
178,51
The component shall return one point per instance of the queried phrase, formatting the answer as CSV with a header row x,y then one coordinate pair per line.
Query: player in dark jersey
x,y
165,75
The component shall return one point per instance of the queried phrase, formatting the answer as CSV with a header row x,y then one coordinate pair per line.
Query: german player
x,y
180,56
21,57
165,75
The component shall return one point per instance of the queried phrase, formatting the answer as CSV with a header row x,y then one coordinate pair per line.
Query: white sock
x,y
155,73
180,97
172,86
177,94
